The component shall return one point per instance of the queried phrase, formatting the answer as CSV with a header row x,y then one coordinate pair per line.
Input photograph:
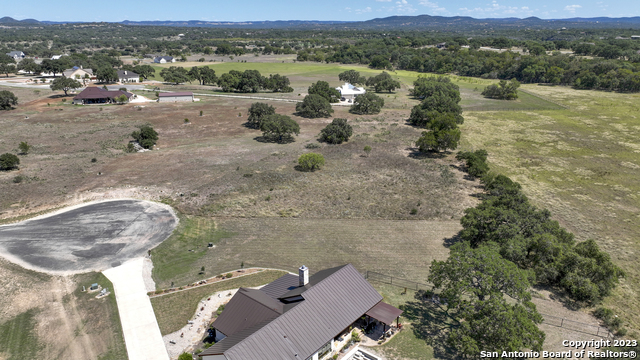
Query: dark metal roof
x,y
124,74
99,93
316,278
281,286
384,312
247,308
336,298
175,94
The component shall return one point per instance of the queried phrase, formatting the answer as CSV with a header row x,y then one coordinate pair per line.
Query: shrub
x,y
505,90
314,106
229,275
312,146
367,104
95,160
185,356
18,179
24,147
8,161
337,132
310,161
367,150
146,137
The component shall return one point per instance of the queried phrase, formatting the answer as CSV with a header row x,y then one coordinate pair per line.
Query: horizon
x,y
358,10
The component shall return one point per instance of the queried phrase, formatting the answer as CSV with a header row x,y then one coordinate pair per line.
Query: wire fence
x,y
590,329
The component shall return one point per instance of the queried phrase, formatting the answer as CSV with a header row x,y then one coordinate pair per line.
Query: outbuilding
x,y
164,59
175,96
349,92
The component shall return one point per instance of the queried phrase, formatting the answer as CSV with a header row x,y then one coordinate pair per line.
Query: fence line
x,y
231,96
547,319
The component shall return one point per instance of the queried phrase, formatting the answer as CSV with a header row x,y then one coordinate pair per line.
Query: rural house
x,y
125,76
297,317
16,55
96,95
175,96
164,59
349,92
80,74
58,57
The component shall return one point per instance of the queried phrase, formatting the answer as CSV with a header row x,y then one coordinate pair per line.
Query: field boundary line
x,y
545,99
219,281
230,96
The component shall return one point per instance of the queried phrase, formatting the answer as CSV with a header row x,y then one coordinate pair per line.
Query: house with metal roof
x,y
175,96
297,317
16,55
164,59
96,95
80,74
349,92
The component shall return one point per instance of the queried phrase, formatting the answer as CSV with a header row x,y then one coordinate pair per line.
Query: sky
x,y
352,10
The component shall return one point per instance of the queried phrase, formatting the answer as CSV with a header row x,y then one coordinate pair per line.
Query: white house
x,y
164,59
125,76
16,55
58,57
80,74
349,92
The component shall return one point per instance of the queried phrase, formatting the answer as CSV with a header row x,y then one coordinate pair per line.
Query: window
x,y
324,350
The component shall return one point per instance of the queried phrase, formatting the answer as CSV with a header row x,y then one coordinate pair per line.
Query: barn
x,y
175,96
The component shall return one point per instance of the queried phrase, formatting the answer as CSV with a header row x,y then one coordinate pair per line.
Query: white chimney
x,y
125,72
303,275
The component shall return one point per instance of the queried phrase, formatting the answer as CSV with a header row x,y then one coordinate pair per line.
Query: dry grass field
x,y
246,196
581,163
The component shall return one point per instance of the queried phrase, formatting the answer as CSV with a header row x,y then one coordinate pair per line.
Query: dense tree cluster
x,y
504,90
314,106
251,81
526,236
323,89
367,104
383,82
438,112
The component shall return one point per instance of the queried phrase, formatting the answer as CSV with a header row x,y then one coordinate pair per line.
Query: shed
x,y
175,96
349,92
94,286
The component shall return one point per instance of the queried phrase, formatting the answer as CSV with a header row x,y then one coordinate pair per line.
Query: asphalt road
x,y
92,237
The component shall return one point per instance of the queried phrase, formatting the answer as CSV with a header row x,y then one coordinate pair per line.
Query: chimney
x,y
125,72
80,66
303,275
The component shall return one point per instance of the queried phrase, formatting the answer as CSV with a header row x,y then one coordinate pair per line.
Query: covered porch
x,y
378,325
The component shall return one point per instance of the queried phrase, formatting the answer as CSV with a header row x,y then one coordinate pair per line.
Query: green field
x,y
302,74
175,309
581,163
18,338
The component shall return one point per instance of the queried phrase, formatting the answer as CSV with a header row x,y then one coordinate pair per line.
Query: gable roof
x,y
99,93
70,72
348,89
15,53
124,74
336,298
247,308
280,286
167,58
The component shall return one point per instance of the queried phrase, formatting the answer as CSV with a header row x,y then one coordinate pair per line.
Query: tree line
x,y
506,246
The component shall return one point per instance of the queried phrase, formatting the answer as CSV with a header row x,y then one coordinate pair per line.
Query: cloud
x,y
572,8
495,9
433,6
365,10
383,0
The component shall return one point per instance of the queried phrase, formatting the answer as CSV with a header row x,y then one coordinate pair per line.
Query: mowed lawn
x,y
583,164
401,248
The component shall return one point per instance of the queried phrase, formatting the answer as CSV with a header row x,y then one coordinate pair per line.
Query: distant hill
x,y
11,21
443,23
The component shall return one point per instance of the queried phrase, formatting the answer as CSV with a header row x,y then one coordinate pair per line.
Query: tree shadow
x,y
414,153
286,139
450,241
431,323
561,296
